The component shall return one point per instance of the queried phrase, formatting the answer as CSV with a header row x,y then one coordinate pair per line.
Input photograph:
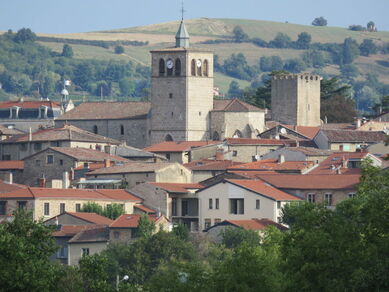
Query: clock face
x,y
198,63
169,64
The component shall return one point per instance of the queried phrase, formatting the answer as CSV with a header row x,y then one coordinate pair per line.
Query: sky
x,y
70,16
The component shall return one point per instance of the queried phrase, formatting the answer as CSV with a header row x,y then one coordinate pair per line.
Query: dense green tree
x,y
111,211
119,49
24,35
314,58
236,66
319,21
268,64
295,65
338,109
95,273
333,87
349,71
127,86
239,35
367,47
146,227
67,51
25,248
234,90
281,40
355,27
371,26
234,237
303,40
350,50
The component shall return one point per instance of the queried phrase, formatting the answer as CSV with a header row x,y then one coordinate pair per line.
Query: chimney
x,y
42,182
281,158
8,178
107,163
344,162
359,123
219,154
338,170
29,135
65,180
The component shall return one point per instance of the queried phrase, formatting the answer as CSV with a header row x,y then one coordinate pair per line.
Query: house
x,y
345,163
46,203
235,199
55,165
215,232
248,150
321,188
21,146
125,227
299,154
11,170
8,131
347,140
185,151
32,114
177,201
134,173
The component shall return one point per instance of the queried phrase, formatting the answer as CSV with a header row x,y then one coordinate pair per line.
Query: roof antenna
x,y
182,10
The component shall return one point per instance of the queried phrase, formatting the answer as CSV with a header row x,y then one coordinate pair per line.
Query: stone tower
x,y
295,99
181,92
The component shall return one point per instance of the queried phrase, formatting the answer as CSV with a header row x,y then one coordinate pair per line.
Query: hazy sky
x,y
54,16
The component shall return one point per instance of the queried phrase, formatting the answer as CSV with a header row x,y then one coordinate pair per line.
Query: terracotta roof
x,y
177,187
178,146
132,167
66,133
107,110
234,105
354,136
338,126
11,164
263,188
9,131
92,166
98,194
211,164
84,154
145,209
29,104
256,224
69,230
97,234
252,174
249,141
6,187
91,217
309,132
311,181
129,221
310,151
273,164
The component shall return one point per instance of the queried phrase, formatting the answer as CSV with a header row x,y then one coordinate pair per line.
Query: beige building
x,y
46,203
240,200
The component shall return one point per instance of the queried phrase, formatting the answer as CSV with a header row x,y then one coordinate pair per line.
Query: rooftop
x,y
97,234
130,221
250,141
177,187
91,217
6,187
107,110
9,131
133,167
354,136
234,105
211,164
29,104
11,164
178,146
255,224
273,165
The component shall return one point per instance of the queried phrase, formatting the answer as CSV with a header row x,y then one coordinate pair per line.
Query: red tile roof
x,y
133,167
129,221
11,164
145,209
312,181
9,131
249,141
96,233
256,224
354,136
234,105
69,230
107,110
309,132
211,164
91,217
177,187
29,104
273,165
178,146
98,194
6,187
263,188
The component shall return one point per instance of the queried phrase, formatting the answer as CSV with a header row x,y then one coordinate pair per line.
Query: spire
x,y
182,35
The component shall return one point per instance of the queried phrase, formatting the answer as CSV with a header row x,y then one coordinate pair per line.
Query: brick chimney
x,y
219,154
281,158
42,182
107,163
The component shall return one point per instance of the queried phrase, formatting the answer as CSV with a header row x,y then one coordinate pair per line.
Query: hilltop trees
x,y
319,21
239,35
67,51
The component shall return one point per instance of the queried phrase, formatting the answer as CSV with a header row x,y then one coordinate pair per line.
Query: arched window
x,y
121,130
205,68
237,134
161,67
95,130
168,137
199,69
215,136
193,67
178,67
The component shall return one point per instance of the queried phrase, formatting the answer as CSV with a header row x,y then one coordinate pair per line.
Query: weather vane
x,y
182,10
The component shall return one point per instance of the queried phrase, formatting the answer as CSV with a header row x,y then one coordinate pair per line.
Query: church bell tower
x,y
181,92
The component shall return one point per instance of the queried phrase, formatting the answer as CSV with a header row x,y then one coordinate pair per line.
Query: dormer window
x,y
43,112
14,112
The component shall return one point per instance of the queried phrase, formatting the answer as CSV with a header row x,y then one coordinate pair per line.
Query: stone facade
x,y
295,99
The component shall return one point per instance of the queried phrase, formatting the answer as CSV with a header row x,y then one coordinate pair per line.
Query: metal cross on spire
x,y
182,10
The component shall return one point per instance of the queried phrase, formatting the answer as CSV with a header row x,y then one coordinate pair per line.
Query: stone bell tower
x,y
181,92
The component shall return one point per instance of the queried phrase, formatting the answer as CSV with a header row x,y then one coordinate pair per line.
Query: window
x,y
257,204
168,137
121,130
84,251
3,207
116,234
217,204
50,159
78,207
207,223
200,114
6,157
62,253
23,147
278,204
199,68
22,205
205,68
236,206
55,143
217,220
174,207
161,67
193,67
46,209
178,67
60,162
62,208
170,95
234,153
328,199
37,146
184,208
352,195
210,204
95,130
37,162
215,136
311,198
168,156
